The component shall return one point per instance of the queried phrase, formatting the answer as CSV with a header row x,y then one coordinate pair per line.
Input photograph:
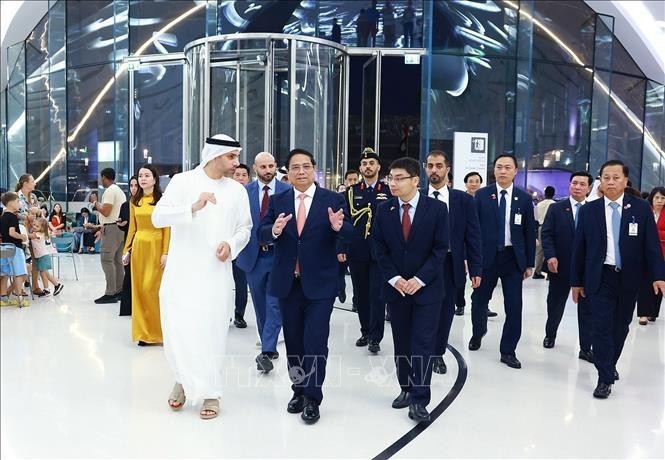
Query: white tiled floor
x,y
74,386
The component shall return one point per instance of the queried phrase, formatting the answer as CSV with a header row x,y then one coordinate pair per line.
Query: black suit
x,y
414,318
557,237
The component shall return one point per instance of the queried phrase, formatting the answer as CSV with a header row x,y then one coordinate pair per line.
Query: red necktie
x,y
406,221
264,201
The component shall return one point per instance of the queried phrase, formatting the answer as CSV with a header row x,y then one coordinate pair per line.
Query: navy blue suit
x,y
365,275
465,244
507,263
256,260
557,237
306,302
612,294
414,318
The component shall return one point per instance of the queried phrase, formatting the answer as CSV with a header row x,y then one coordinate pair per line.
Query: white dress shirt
x,y
444,194
509,200
271,192
609,256
412,212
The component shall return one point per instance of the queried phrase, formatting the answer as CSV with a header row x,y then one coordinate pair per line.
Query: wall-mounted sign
x,y
469,154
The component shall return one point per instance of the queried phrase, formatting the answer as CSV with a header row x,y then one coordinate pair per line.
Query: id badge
x,y
632,229
518,219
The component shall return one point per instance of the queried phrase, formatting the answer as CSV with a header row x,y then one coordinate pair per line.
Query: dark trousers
x,y
504,268
460,301
366,279
240,280
612,308
557,295
414,330
126,297
342,277
306,324
648,303
266,307
447,308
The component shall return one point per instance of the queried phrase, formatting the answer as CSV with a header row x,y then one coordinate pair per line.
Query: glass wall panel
x,y
91,121
158,118
472,103
147,17
475,28
57,132
653,165
36,49
4,155
91,32
625,123
622,62
194,95
16,115
563,32
37,126
559,127
57,36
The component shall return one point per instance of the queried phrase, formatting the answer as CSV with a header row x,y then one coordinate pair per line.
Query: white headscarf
x,y
212,150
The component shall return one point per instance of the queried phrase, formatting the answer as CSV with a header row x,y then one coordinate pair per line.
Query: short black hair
x,y
582,173
85,210
653,193
109,173
243,166
410,165
440,153
549,192
299,152
506,155
614,163
351,171
471,174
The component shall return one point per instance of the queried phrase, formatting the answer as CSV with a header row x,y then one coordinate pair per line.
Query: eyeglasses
x,y
398,179
298,168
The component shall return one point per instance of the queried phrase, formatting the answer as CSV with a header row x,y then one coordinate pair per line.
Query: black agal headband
x,y
211,140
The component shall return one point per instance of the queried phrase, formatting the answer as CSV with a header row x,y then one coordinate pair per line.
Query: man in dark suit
x,y
256,260
557,236
411,241
465,244
304,224
362,200
616,242
508,231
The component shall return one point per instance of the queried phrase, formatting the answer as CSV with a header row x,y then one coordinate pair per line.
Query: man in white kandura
x,y
210,221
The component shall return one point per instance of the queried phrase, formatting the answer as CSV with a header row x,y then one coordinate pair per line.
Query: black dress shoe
x,y
602,391
296,405
263,363
548,342
652,319
362,341
402,401
107,299
272,354
240,323
310,413
538,276
491,314
616,375
474,343
418,413
586,355
142,343
459,311
511,361
439,366
374,346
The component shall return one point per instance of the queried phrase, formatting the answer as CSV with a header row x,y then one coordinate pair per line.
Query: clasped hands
x,y
336,221
407,287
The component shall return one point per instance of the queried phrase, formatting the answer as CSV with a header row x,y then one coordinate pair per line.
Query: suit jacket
x,y
557,236
92,219
421,256
638,253
523,236
465,242
246,260
315,249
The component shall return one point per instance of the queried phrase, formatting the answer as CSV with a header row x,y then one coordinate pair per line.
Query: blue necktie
x,y
501,244
616,225
577,211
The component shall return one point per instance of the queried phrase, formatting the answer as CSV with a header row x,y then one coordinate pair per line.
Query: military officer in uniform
x,y
362,200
